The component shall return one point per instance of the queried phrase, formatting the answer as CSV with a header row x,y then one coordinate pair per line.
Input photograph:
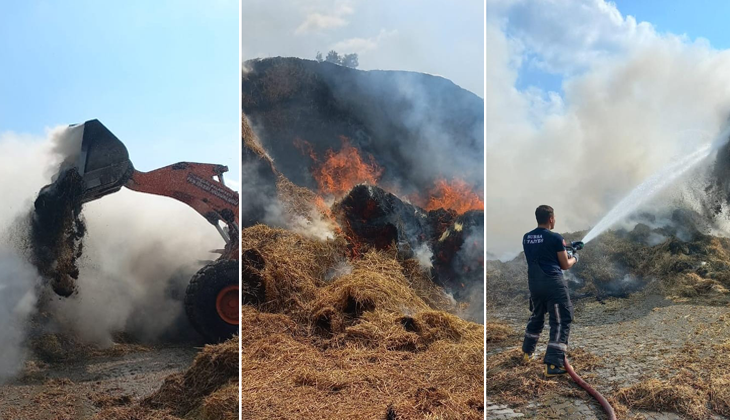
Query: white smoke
x,y
313,226
23,161
632,99
424,255
139,253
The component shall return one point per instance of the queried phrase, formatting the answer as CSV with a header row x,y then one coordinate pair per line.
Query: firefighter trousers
x,y
548,294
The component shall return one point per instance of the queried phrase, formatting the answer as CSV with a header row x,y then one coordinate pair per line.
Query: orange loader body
x,y
212,298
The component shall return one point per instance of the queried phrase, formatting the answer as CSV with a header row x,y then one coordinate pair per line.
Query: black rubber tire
x,y
200,300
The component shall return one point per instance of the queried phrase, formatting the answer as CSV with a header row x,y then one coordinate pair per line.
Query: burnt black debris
x,y
57,231
380,219
458,254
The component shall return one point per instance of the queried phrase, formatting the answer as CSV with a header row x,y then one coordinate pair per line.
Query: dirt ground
x,y
634,338
80,389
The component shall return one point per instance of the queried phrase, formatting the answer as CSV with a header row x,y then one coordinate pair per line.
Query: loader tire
x,y
212,301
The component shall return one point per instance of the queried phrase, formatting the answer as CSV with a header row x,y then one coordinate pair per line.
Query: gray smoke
x,y
17,301
470,261
632,99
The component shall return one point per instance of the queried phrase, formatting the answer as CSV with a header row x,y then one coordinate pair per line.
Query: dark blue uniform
x,y
548,294
542,245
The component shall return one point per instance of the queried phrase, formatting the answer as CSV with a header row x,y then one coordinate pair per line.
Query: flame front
x,y
456,195
342,170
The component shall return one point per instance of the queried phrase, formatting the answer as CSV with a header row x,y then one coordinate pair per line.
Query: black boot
x,y
553,370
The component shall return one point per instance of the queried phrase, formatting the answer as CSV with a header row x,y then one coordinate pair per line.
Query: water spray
x,y
655,183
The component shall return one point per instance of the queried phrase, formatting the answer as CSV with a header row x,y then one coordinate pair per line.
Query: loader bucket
x,y
103,162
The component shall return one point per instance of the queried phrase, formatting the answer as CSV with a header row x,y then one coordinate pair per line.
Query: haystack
x,y
214,368
364,341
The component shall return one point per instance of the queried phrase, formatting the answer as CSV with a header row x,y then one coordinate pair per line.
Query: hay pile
x,y
208,390
511,382
696,386
498,332
324,344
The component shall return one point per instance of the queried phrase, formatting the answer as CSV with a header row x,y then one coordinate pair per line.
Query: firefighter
x,y
546,259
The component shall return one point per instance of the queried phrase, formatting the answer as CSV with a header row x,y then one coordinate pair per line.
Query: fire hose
x,y
583,384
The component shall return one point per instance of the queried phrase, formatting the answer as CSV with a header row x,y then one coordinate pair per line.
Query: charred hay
x,y
619,263
374,218
57,231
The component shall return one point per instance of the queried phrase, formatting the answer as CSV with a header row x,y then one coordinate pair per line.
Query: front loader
x,y
212,296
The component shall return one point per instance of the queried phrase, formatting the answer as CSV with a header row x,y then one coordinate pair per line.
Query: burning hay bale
x,y
374,218
379,219
458,259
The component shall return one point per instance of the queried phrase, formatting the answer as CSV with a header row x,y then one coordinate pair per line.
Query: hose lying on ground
x,y
583,384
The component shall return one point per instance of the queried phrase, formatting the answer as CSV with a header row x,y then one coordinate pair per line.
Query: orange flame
x,y
456,195
344,169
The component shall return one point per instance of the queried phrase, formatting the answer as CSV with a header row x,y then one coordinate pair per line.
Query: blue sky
x,y
163,75
700,18
693,19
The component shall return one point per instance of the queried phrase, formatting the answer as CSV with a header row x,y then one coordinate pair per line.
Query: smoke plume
x,y
139,253
632,99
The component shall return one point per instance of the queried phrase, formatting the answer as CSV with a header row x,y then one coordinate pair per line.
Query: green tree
x,y
333,57
350,60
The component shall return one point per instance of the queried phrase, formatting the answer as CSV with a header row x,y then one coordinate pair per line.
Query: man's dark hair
x,y
543,214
